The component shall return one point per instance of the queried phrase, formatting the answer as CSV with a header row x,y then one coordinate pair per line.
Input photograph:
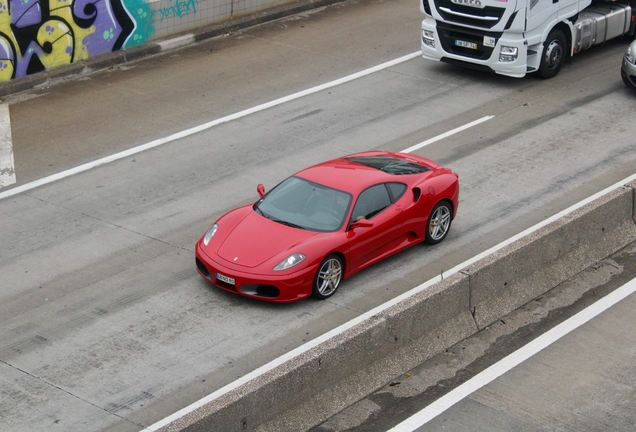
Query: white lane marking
x,y
514,359
344,327
447,134
7,166
205,126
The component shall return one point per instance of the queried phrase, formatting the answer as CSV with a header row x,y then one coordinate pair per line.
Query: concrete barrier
x,y
322,380
527,268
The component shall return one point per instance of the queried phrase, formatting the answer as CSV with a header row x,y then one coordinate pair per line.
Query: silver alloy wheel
x,y
329,276
440,222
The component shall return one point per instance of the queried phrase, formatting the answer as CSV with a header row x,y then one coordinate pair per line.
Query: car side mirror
x,y
361,223
261,190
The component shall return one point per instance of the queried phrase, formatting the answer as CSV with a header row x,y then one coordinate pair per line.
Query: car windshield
x,y
306,205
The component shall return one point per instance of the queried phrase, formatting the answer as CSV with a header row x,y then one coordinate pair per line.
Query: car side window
x,y
396,190
371,202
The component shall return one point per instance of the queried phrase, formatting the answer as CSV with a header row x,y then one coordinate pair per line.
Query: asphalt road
x,y
105,323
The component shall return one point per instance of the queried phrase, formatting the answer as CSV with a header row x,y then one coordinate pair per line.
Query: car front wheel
x,y
439,223
327,277
625,79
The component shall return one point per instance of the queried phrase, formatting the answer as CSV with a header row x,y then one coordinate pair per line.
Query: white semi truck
x,y
517,37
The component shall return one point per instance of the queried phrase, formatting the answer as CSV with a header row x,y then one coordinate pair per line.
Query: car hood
x,y
256,239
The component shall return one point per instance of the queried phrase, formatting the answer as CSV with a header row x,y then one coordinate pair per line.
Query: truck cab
x,y
516,37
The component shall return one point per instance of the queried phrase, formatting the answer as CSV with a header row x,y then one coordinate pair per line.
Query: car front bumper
x,y
628,73
283,288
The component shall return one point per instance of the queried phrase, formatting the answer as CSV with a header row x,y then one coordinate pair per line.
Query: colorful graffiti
x,y
39,35
180,9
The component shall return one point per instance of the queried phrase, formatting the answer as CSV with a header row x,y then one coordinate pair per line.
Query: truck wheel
x,y
553,54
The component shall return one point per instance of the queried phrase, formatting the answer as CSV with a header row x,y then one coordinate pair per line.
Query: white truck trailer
x,y
517,37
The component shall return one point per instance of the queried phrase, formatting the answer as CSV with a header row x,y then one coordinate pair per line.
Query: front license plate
x,y
465,44
225,279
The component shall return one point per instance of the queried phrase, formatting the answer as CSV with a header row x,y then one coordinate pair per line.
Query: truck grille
x,y
448,34
486,17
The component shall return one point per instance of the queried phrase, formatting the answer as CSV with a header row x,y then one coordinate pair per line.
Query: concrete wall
x,y
318,383
178,16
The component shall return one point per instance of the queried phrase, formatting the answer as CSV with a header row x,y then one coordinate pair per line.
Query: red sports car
x,y
326,223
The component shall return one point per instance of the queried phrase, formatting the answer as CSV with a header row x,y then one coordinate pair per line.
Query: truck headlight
x,y
508,54
428,38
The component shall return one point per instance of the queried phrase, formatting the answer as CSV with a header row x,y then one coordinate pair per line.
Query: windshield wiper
x,y
280,221
289,224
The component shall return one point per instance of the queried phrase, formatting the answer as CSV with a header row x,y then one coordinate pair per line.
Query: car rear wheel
x,y
327,277
439,223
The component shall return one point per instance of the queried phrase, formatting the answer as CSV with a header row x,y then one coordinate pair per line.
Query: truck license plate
x,y
465,44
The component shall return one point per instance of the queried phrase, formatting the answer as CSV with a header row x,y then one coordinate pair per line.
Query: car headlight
x,y
290,261
209,234
629,56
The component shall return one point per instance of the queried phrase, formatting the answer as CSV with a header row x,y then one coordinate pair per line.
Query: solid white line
x,y
447,134
514,359
205,126
7,165
344,327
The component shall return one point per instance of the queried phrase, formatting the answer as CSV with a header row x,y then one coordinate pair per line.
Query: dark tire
x,y
625,79
328,277
439,223
554,52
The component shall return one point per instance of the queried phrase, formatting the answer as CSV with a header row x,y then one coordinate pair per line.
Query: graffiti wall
x,y
40,35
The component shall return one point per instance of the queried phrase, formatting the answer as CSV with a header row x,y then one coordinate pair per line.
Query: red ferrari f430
x,y
327,222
